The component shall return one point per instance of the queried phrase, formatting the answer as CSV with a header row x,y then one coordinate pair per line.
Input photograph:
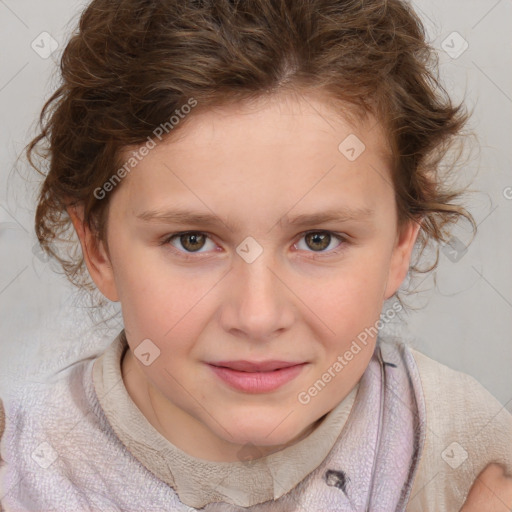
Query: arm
x,y
491,491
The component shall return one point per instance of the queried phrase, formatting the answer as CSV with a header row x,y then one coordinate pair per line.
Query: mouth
x,y
256,377
253,366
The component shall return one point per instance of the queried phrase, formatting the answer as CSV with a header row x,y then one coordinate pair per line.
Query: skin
x,y
491,491
254,166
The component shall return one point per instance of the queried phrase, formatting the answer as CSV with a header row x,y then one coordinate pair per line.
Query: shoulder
x,y
51,405
39,409
466,429
43,428
60,451
447,391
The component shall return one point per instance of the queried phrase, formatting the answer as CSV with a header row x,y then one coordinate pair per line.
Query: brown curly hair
x,y
131,64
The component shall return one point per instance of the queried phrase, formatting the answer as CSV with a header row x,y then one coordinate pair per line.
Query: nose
x,y
257,303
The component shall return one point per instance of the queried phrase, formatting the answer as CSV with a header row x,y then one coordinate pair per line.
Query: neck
x,y
182,429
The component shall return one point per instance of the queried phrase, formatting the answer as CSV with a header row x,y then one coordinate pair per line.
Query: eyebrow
x,y
179,216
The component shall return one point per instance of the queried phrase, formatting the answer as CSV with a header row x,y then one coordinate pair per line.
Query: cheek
x,y
154,305
353,296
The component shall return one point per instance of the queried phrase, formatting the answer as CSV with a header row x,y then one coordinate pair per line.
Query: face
x,y
257,277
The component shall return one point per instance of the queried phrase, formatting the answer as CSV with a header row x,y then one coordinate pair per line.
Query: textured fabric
x,y
2,428
467,428
62,454
198,481
2,420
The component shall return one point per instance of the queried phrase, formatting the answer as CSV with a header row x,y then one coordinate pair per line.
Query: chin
x,y
267,433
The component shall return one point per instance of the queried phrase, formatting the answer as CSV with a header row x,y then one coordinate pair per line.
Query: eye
x,y
190,241
193,241
319,241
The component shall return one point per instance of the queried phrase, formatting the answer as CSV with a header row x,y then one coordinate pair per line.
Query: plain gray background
x,y
464,320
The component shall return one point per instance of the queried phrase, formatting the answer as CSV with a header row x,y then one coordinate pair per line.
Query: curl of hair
x,y
132,63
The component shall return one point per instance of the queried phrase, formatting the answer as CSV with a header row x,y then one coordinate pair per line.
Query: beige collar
x,y
198,481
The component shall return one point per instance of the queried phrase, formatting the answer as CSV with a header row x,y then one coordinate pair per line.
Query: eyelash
x,y
190,256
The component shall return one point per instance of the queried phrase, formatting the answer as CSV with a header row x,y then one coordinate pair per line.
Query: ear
x,y
401,256
95,256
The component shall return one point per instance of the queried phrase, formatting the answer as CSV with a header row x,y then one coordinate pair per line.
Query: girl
x,y
297,146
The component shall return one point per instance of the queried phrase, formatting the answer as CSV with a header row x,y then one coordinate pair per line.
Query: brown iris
x,y
322,240
192,241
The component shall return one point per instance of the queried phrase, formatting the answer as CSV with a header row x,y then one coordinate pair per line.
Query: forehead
x,y
281,118
276,149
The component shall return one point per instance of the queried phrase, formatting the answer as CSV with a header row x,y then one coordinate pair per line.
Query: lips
x,y
253,377
252,366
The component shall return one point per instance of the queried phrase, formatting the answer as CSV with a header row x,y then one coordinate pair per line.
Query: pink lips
x,y
253,377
